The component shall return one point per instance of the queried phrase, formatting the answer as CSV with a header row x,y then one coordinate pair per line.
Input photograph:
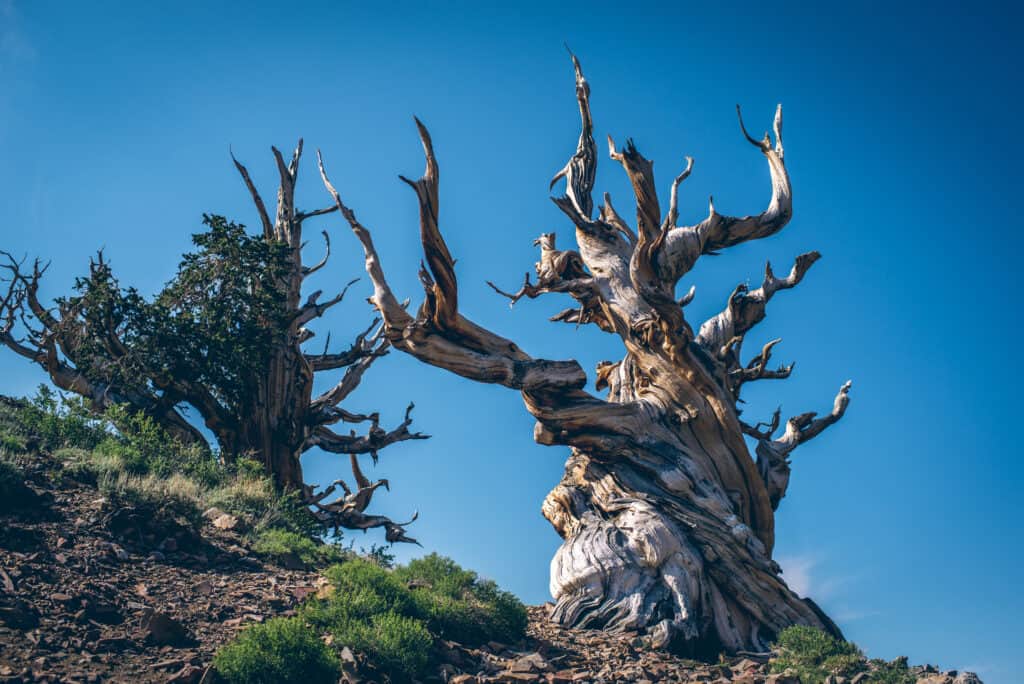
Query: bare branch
x,y
310,270
319,408
303,215
773,455
348,511
684,245
757,369
312,309
673,205
373,441
268,227
747,309
393,313
581,169
361,348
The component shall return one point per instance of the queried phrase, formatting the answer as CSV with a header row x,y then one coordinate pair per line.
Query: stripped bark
x,y
667,521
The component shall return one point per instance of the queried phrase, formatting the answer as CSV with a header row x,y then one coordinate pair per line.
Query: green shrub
x,y
400,644
460,606
56,421
47,422
813,655
279,651
145,449
393,616
360,574
278,543
894,672
13,443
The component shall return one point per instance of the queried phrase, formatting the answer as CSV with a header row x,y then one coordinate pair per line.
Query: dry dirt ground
x,y
90,594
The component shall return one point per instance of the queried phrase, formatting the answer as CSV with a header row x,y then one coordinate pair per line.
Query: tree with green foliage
x,y
225,337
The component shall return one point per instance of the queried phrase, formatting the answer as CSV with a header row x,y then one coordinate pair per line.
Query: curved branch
x,y
685,244
581,169
747,309
773,454
261,208
348,511
442,337
310,270
320,408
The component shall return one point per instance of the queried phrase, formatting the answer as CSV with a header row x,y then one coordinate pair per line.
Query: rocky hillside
x,y
94,587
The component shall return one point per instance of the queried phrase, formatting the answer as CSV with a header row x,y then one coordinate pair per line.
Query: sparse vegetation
x,y
891,672
137,466
394,616
13,492
284,544
279,651
813,655
460,606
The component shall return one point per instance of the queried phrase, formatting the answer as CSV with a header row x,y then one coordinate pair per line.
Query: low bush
x,y
278,651
891,672
49,421
814,655
279,543
394,616
460,606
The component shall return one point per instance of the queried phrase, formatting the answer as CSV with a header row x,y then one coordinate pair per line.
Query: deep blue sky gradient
x,y
115,122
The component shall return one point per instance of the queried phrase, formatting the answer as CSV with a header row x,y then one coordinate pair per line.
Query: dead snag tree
x,y
667,520
224,337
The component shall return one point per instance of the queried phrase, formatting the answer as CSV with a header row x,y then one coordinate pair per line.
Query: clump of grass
x,y
244,496
279,544
278,651
175,498
813,655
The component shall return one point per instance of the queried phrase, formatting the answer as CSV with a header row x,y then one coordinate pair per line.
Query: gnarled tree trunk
x,y
668,521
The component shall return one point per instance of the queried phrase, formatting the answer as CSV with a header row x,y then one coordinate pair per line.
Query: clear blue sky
x,y
115,122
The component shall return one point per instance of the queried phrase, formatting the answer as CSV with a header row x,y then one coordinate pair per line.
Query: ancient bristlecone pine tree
x,y
667,520
225,337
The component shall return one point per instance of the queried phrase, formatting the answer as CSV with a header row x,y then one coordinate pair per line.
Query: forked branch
x,y
348,510
685,244
773,454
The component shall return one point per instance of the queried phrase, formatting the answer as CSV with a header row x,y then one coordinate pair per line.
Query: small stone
x,y
190,674
161,629
204,587
225,521
212,513
532,662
